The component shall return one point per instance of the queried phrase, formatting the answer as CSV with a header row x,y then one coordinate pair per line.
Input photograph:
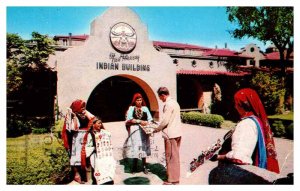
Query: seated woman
x,y
252,141
98,148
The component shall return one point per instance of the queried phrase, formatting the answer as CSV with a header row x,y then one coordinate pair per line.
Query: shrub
x,y
40,130
60,168
278,128
18,127
198,118
282,125
290,131
58,126
35,162
37,159
269,88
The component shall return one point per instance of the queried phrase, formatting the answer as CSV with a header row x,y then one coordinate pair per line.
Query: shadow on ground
x,y
137,181
156,169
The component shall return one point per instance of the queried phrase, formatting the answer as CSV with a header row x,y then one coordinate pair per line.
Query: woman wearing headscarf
x,y
137,144
252,140
77,122
97,147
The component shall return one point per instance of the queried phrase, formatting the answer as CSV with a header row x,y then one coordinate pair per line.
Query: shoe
x,y
170,183
78,180
145,170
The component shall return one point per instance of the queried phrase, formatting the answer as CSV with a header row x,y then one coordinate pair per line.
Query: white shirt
x,y
170,123
244,140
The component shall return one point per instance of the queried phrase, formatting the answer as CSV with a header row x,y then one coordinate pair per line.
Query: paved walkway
x,y
194,140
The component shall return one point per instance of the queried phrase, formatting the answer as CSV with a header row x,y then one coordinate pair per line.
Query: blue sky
x,y
203,26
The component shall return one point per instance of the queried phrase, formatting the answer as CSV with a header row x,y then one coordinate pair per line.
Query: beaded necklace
x,y
138,112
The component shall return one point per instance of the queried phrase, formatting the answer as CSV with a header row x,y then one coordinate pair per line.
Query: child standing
x,y
97,146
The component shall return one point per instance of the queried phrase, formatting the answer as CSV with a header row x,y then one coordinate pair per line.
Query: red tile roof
x,y
207,51
179,45
211,73
276,56
224,53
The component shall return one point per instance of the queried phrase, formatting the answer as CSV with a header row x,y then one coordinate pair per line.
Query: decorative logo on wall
x,y
123,37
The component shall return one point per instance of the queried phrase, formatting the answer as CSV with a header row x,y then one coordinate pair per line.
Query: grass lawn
x,y
288,116
228,124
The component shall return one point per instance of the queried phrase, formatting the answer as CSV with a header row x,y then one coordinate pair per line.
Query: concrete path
x,y
194,140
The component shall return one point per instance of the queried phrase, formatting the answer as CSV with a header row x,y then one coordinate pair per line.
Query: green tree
x,y
37,51
14,44
26,64
24,55
269,88
15,47
267,24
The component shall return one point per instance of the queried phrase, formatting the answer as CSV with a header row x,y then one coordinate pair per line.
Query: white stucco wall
x,y
252,50
203,65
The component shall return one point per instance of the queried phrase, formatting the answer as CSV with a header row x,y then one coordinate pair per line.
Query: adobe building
x,y
115,61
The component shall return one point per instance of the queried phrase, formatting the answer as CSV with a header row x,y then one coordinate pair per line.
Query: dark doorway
x,y
112,97
187,93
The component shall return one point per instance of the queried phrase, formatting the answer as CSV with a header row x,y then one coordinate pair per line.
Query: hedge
x,y
282,128
197,118
17,126
282,125
37,159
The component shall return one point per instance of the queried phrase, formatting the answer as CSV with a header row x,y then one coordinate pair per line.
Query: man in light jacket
x,y
170,125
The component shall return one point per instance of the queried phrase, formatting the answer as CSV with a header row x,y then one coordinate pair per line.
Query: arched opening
x,y
111,98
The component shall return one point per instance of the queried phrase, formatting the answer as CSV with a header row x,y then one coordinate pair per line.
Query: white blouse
x,y
244,140
130,111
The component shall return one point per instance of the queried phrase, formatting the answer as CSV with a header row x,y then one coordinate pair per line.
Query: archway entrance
x,y
111,98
